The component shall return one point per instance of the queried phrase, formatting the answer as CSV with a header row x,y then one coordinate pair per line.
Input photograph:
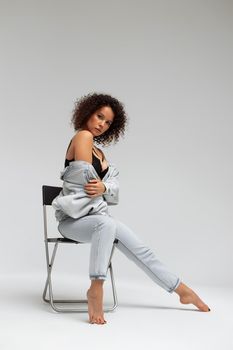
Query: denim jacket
x,y
73,201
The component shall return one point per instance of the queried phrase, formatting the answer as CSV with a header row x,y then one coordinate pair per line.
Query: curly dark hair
x,y
90,103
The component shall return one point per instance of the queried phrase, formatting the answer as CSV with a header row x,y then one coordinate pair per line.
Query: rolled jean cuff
x,y
99,277
176,285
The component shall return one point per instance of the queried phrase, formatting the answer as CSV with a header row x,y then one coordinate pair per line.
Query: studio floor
x,y
147,317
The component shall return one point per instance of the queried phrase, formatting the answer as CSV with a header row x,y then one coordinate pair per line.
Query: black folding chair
x,y
48,194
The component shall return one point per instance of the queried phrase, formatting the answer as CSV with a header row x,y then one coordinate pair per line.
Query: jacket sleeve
x,y
73,201
111,195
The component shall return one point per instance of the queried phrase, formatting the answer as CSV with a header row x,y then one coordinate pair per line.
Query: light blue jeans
x,y
101,231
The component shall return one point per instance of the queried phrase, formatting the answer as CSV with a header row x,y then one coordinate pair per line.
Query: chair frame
x,y
48,194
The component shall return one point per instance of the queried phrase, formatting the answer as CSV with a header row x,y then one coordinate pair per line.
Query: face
x,y
100,121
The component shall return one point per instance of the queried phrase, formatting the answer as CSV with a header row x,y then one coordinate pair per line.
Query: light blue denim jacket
x,y
73,201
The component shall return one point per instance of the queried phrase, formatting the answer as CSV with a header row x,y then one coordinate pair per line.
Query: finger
x,y
90,186
91,192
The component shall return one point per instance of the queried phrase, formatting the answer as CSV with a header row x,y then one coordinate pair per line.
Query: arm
x,y
83,143
111,194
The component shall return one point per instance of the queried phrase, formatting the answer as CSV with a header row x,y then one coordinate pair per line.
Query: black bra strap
x,y
69,146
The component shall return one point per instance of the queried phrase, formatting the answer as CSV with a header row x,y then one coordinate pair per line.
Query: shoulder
x,y
83,136
82,146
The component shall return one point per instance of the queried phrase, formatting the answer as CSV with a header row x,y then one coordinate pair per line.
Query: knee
x,y
107,224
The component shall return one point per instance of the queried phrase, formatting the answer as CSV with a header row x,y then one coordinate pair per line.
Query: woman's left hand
x,y
94,188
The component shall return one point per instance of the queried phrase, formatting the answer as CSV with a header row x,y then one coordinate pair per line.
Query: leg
x,y
100,231
133,247
95,302
144,257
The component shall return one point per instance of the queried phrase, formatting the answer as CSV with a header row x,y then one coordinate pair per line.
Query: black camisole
x,y
95,162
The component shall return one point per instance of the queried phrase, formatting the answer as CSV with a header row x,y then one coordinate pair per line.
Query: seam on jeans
x,y
95,227
97,256
146,266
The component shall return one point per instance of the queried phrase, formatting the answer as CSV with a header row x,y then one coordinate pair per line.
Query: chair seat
x,y
67,240
61,239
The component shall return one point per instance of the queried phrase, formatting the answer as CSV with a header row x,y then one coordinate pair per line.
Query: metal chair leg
x,y
49,269
53,301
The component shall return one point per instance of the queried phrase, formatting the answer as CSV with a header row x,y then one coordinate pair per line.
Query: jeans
x,y
101,231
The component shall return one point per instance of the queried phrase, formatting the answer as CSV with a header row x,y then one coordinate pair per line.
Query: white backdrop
x,y
170,63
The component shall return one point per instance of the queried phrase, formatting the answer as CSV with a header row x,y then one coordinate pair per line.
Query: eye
x,y
101,117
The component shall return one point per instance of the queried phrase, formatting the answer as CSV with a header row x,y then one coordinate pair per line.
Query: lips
x,y
97,129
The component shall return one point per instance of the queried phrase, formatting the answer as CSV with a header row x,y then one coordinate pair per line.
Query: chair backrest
x,y
49,193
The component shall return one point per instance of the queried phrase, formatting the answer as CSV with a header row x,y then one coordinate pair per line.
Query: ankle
x,y
96,288
182,289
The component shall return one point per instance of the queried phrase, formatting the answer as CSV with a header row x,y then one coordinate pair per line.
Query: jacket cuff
x,y
107,188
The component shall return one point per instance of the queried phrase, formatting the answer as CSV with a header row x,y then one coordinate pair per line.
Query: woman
x,y
101,118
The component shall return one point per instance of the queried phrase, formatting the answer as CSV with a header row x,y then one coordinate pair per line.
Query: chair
x,y
48,194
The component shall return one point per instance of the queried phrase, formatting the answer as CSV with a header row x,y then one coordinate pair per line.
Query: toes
x,y
101,321
205,308
97,320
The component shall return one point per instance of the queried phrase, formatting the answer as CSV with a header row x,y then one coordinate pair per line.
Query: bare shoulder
x,y
82,144
83,135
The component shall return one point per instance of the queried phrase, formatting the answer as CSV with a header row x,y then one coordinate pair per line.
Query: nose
x,y
102,124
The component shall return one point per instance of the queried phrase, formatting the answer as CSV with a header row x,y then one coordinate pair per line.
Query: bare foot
x,y
95,306
188,296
